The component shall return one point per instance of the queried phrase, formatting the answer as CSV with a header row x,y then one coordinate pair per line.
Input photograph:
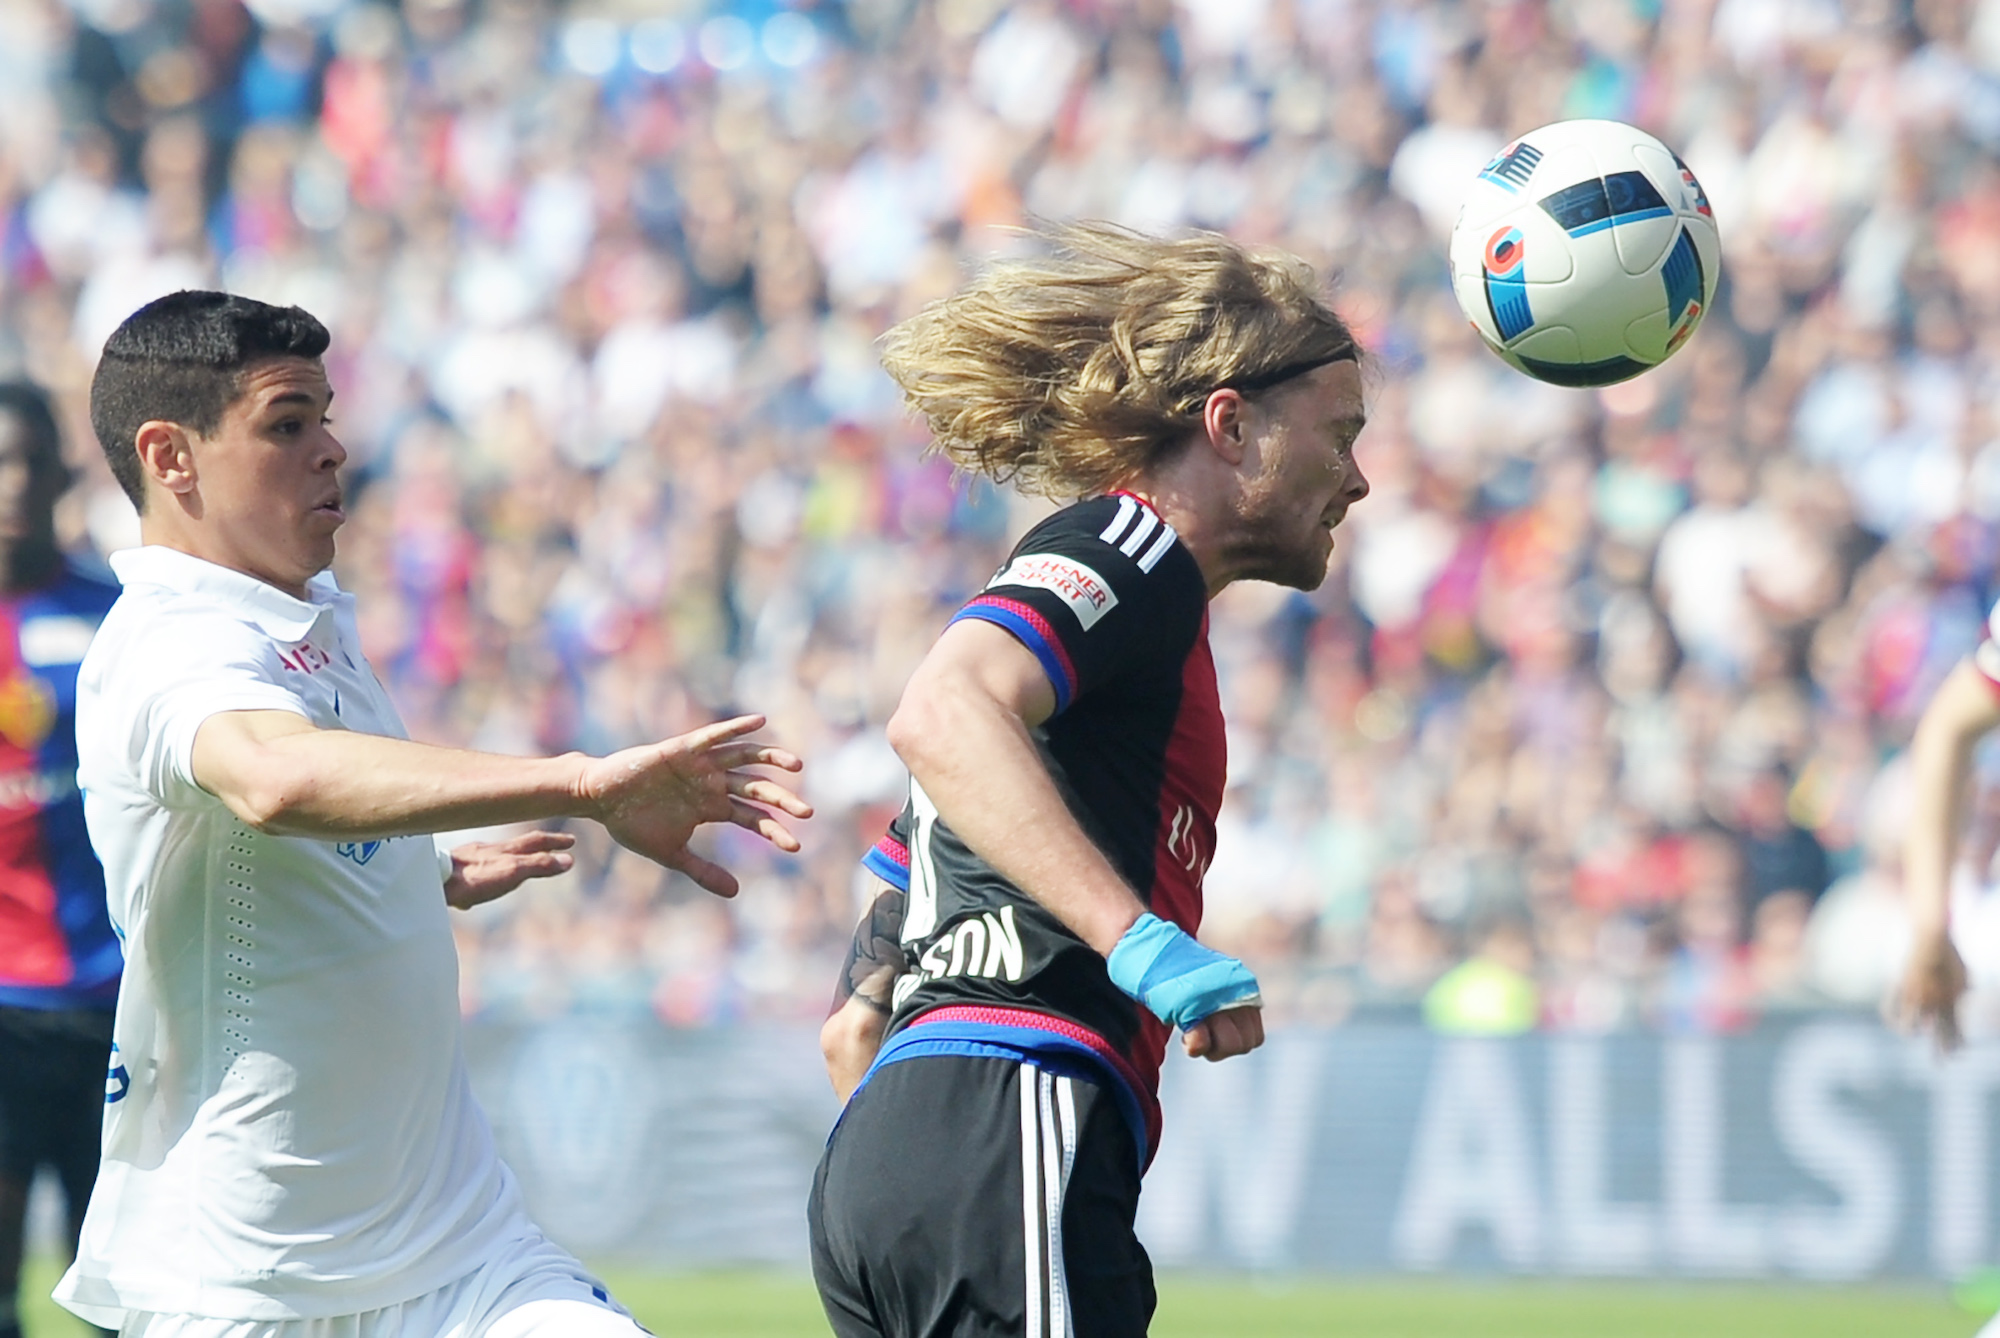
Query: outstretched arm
x,y
862,1000
962,728
1965,709
281,774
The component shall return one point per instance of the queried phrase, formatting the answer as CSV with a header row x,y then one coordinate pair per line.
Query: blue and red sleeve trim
x,y
1032,630
889,860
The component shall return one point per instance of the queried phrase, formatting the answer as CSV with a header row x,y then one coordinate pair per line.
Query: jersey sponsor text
x,y
1088,595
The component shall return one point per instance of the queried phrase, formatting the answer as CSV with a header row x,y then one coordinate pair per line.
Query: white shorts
x,y
533,1289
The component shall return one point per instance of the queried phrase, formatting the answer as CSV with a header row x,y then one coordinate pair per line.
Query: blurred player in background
x,y
59,959
1065,745
1964,710
291,1147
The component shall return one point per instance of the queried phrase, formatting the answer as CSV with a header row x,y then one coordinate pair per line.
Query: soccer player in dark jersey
x,y
59,960
1032,934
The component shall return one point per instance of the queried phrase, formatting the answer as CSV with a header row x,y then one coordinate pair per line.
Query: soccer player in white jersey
x,y
291,1149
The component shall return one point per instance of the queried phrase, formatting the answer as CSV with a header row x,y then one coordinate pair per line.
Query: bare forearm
x,y
978,764
1963,710
333,783
1941,767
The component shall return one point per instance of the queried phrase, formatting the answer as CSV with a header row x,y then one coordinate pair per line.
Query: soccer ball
x,y
1585,253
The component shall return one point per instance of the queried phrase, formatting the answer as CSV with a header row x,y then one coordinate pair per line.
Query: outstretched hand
x,y
484,870
651,798
1932,984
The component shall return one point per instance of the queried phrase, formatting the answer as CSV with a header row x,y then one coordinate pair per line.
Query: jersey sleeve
x,y
1095,591
889,858
182,670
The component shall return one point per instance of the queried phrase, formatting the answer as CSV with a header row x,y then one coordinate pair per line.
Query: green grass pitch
x,y
764,1305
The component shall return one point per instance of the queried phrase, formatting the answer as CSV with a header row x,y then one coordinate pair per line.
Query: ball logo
x,y
1504,251
1694,190
1512,166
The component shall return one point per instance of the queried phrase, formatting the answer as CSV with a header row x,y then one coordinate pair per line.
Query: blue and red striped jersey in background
x,y
57,946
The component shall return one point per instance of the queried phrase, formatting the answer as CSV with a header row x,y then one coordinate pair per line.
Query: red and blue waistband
x,y
1047,1042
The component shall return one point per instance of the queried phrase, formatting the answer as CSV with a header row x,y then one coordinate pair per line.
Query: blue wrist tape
x,y
1174,976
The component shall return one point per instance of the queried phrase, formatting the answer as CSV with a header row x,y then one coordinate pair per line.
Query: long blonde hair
x,y
1072,372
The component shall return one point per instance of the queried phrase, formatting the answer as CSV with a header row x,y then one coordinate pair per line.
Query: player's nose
x,y
332,454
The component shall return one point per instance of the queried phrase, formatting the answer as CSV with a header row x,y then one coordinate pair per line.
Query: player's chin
x,y
1300,563
1307,571
313,553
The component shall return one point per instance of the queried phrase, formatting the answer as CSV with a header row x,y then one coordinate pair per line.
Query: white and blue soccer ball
x,y
1585,253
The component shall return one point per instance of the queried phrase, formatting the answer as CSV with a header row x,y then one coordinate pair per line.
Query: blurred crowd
x,y
1598,720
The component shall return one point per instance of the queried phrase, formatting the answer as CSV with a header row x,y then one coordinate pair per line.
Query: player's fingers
x,y
705,872
1253,1025
764,791
1897,1010
546,864
1235,1031
530,843
1224,1040
704,739
752,818
1949,1036
1196,1040
751,754
1925,1001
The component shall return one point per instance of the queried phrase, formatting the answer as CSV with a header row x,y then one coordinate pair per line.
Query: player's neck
x,y
169,529
1180,502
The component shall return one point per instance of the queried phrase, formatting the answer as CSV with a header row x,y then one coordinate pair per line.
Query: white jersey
x,y
288,1132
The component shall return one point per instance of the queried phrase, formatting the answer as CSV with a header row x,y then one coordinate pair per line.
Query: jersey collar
x,y
270,608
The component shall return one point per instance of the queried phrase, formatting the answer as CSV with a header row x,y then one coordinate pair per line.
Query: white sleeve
x,y
193,666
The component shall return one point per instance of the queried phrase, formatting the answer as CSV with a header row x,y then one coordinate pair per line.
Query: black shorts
x,y
52,1066
967,1196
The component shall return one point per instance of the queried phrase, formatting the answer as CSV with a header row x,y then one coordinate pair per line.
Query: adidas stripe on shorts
x,y
975,1197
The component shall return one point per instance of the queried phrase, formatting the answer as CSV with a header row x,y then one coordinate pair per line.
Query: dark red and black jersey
x,y
1115,608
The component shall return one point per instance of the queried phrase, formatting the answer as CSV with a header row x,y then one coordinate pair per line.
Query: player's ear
x,y
166,456
1222,421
